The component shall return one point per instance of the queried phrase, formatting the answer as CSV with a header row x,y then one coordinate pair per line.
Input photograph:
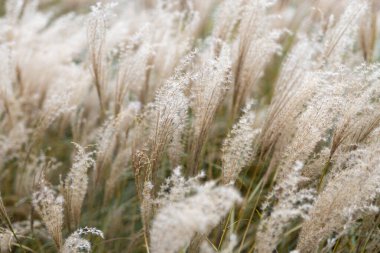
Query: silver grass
x,y
256,47
209,88
195,214
238,147
6,77
293,88
96,35
340,37
341,203
154,85
6,240
49,205
291,203
74,186
75,243
165,118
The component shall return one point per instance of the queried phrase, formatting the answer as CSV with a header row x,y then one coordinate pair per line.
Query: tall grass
x,y
167,126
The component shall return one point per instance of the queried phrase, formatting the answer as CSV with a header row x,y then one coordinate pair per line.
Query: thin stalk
x,y
146,241
336,246
4,216
370,234
225,229
324,172
247,200
250,219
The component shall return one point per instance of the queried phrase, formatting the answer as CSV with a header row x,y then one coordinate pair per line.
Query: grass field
x,y
166,126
